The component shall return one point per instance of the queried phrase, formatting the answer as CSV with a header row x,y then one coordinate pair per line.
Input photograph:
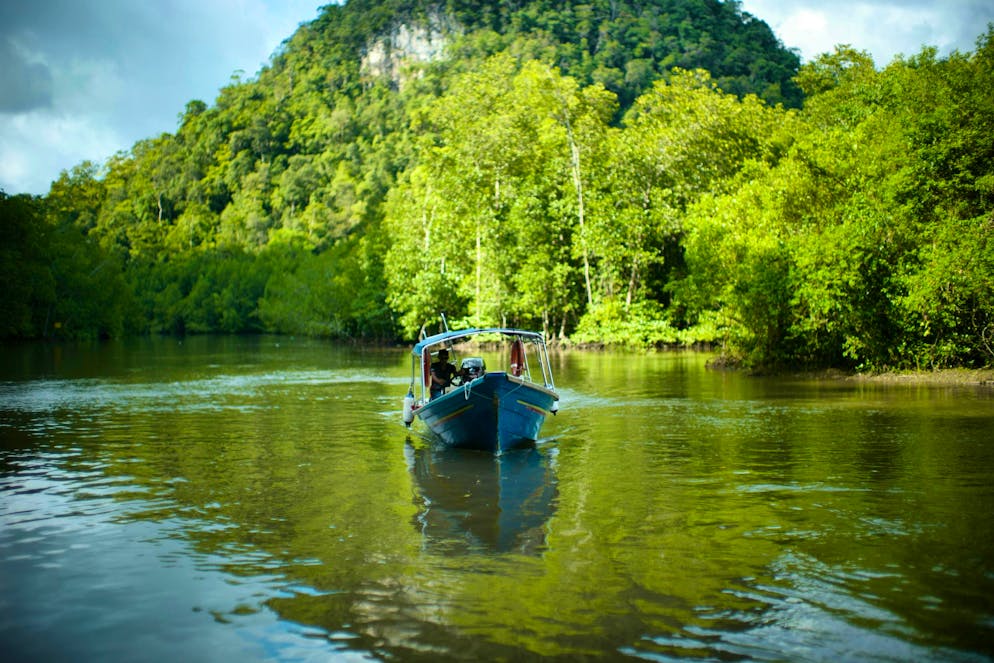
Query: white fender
x,y
408,408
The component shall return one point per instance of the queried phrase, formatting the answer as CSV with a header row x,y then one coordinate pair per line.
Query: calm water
x,y
258,498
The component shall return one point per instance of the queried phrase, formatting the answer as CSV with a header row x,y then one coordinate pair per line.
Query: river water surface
x,y
259,498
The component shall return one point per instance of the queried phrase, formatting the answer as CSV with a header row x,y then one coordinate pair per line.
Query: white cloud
x,y
884,28
813,24
39,141
84,79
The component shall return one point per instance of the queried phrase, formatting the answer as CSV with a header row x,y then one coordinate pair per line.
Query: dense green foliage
x,y
54,279
608,171
869,240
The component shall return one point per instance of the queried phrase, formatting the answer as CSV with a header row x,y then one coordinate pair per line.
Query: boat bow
x,y
492,410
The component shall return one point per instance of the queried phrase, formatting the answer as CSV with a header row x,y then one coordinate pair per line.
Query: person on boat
x,y
442,373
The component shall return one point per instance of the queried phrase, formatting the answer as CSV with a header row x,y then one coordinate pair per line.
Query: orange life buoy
x,y
517,358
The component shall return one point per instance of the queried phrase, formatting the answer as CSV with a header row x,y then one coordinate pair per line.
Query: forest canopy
x,y
648,174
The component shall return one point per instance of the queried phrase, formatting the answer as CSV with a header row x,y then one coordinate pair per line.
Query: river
x,y
258,498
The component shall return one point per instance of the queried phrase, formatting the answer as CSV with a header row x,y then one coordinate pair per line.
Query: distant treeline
x,y
554,172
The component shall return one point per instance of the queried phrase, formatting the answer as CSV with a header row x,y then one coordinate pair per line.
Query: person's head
x,y
443,355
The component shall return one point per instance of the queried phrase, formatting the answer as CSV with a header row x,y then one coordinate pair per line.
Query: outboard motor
x,y
472,368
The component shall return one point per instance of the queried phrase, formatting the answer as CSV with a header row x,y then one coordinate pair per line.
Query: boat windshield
x,y
527,355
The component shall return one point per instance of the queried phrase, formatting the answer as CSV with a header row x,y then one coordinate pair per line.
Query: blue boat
x,y
479,409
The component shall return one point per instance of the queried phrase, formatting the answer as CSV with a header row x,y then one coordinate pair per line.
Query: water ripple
x,y
210,393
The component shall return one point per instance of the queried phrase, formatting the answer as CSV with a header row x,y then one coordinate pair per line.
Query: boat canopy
x,y
454,336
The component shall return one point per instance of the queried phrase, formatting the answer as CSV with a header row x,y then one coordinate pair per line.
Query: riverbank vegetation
x,y
643,174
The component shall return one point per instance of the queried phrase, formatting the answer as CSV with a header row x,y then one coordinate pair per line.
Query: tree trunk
x,y
632,280
580,213
577,172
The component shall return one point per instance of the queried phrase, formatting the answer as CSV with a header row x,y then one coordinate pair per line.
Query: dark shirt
x,y
444,371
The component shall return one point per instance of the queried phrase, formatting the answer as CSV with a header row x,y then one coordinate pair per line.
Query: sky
x,y
85,79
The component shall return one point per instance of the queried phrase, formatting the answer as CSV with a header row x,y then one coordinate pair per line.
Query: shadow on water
x,y
476,502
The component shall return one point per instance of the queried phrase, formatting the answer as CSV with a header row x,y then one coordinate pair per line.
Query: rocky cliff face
x,y
398,53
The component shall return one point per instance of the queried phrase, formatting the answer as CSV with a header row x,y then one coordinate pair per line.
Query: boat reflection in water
x,y
476,502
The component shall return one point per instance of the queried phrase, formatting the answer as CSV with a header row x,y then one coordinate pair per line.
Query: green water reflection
x,y
259,497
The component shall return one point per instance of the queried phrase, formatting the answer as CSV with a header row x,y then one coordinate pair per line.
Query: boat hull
x,y
495,412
